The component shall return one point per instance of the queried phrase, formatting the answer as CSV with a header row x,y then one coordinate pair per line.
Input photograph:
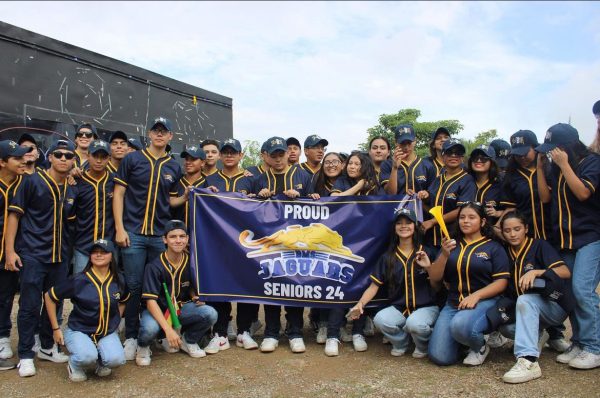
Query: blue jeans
x,y
398,329
86,354
195,320
455,327
585,277
36,278
142,250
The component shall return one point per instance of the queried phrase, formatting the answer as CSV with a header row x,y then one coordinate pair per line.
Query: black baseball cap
x,y
293,141
501,313
172,225
162,121
62,144
314,140
502,149
275,144
596,108
231,143
452,143
559,134
522,141
194,151
404,212
88,126
134,143
439,130
485,150
117,135
98,146
26,137
404,132
9,148
104,244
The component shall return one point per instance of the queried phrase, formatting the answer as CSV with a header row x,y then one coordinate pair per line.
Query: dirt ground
x,y
239,373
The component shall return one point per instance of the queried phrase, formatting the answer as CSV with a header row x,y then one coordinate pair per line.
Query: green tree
x,y
251,154
423,130
483,138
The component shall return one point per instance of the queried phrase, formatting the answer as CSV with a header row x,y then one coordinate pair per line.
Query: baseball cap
x,y
88,126
344,156
10,148
231,143
194,151
452,143
596,108
293,141
502,149
404,132
62,144
104,244
163,121
26,137
314,140
439,130
501,313
485,150
99,145
559,134
117,135
404,212
172,225
274,144
521,141
134,143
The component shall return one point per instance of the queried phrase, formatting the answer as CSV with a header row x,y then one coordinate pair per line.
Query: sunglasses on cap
x,y
86,135
59,155
471,203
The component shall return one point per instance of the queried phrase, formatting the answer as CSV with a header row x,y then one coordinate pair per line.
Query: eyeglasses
x,y
160,132
481,159
328,163
59,155
86,135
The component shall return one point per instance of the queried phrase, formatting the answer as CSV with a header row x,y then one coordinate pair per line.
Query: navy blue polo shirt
x,y
44,207
521,192
344,183
449,193
412,288
95,302
150,183
7,192
576,224
85,165
236,183
490,192
111,167
293,178
92,210
325,191
534,254
416,176
306,167
436,164
183,212
178,280
256,171
473,266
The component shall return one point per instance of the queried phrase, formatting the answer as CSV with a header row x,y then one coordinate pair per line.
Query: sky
x,y
331,68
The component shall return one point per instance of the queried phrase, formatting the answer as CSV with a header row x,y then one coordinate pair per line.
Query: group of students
x,y
524,253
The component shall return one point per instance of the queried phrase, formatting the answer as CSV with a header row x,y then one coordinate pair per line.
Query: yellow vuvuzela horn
x,y
436,212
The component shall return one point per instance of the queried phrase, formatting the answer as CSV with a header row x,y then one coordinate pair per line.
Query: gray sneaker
x,y
585,360
7,364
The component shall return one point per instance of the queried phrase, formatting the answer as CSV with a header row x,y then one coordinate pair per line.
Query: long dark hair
x,y
389,257
576,151
511,172
492,172
367,172
320,178
114,270
514,214
486,230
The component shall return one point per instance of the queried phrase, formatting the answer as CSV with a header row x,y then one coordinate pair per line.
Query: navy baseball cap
x,y
274,144
596,108
501,313
293,141
134,143
522,141
404,212
453,143
99,145
26,137
162,121
438,131
485,150
194,151
88,126
559,134
172,225
502,149
62,144
263,147
231,143
314,140
404,132
117,135
104,244
344,156
9,148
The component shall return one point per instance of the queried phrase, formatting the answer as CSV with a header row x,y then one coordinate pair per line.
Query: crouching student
x,y
404,271
172,268
533,261
98,294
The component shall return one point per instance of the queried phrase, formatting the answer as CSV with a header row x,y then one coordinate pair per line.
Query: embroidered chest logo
x,y
451,196
421,178
117,296
185,284
482,255
298,186
528,267
168,177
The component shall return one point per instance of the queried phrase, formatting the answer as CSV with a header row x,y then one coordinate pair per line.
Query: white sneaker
x,y
255,327
369,329
26,367
345,336
522,371
397,352
76,375
359,343
332,347
218,343
542,341
143,356
246,341
559,345
476,358
269,344
419,354
103,371
322,335
231,334
164,345
193,350
496,340
130,347
52,355
297,345
569,354
585,360
5,348
37,343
